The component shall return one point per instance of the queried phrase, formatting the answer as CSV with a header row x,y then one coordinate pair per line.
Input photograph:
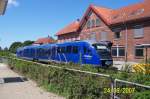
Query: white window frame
x,y
139,28
136,47
117,48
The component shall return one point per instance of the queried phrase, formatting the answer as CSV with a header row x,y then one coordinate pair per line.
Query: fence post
x,y
112,88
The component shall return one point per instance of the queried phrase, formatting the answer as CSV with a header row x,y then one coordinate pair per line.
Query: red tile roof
x,y
73,27
44,40
103,13
110,17
131,12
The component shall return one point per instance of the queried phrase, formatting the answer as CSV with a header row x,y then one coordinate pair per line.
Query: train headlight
x,y
108,63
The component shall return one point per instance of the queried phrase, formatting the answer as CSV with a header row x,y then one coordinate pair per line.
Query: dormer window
x,y
88,24
140,11
93,23
137,12
98,22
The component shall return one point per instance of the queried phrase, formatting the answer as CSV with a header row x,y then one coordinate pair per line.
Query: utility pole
x,y
126,35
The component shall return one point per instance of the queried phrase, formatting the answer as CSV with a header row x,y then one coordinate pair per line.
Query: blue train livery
x,y
83,52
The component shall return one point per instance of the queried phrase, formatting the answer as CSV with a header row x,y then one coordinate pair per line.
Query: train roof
x,y
85,42
89,42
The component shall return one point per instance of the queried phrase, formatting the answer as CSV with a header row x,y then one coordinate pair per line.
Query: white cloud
x,y
14,3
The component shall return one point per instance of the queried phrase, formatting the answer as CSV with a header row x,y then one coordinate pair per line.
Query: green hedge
x,y
73,85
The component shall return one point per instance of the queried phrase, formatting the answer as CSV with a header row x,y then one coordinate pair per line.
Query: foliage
x,y
5,53
148,61
27,43
14,46
5,49
0,48
142,95
142,68
73,85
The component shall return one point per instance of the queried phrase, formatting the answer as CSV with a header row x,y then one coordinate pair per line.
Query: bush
x,y
73,85
142,68
142,95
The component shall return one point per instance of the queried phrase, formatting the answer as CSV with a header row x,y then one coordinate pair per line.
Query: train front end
x,y
103,49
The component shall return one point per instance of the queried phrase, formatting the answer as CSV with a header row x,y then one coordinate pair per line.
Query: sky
x,y
33,19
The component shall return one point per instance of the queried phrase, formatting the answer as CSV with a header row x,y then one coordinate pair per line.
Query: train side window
x,y
63,50
53,50
69,48
49,51
46,52
39,51
84,49
42,52
89,52
58,50
75,49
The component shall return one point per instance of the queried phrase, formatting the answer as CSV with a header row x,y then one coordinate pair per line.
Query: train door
x,y
69,53
62,56
75,54
54,53
86,55
49,53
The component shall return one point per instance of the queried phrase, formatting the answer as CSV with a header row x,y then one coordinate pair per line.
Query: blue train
x,y
97,54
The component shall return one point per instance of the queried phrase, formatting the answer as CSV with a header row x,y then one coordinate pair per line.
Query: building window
x,y
93,23
138,31
121,51
118,51
88,24
92,37
103,35
114,51
98,22
139,51
117,35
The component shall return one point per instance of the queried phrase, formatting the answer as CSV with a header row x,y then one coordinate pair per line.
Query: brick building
x,y
45,40
127,27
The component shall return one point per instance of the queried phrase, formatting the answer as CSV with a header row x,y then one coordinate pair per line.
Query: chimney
x,y
78,20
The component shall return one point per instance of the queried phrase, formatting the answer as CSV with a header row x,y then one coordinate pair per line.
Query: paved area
x,y
21,90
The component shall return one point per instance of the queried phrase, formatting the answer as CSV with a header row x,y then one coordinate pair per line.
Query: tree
x,y
14,46
27,43
0,48
5,49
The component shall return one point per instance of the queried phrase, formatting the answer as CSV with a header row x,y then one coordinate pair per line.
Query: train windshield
x,y
100,47
103,50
